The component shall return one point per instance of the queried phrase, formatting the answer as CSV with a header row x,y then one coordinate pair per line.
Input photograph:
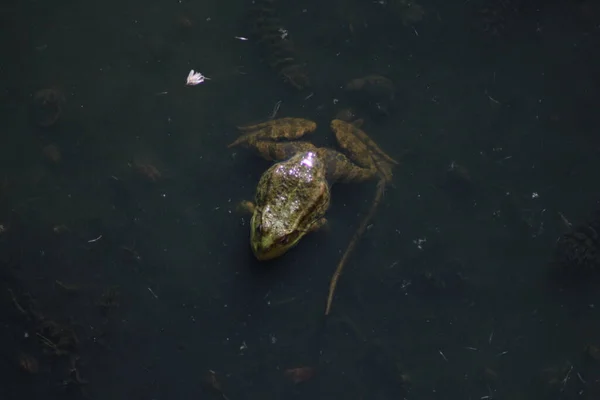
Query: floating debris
x,y
580,247
373,93
300,374
47,106
28,363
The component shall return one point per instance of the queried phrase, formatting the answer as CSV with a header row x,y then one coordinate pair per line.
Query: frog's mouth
x,y
265,248
264,254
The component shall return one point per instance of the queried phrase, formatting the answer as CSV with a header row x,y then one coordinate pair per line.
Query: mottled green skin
x,y
293,195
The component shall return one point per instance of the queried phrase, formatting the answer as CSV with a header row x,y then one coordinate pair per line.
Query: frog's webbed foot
x,y
273,130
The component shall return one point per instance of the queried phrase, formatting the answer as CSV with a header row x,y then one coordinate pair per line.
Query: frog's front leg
x,y
320,224
246,206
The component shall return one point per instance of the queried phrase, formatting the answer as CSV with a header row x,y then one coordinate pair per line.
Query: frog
x,y
294,193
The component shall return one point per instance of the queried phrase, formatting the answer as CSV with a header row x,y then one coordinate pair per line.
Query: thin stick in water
x,y
357,235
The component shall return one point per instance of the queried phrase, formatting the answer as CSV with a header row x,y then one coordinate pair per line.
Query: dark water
x,y
125,267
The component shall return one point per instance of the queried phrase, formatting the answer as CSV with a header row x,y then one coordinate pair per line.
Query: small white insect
x,y
283,33
195,78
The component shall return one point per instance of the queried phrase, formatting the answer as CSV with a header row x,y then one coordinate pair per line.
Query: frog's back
x,y
296,177
295,188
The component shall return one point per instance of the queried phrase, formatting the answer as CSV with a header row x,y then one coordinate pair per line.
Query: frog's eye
x,y
284,240
259,228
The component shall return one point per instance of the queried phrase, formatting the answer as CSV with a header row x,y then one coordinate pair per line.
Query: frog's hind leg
x,y
278,151
283,128
362,149
356,142
290,122
371,162
341,169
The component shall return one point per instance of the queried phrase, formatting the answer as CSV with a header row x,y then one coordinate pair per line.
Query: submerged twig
x,y
16,302
357,235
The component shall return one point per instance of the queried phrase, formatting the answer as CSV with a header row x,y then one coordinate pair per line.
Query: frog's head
x,y
291,200
276,230
270,236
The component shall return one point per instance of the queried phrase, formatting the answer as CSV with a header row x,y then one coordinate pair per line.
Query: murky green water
x,y
126,270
